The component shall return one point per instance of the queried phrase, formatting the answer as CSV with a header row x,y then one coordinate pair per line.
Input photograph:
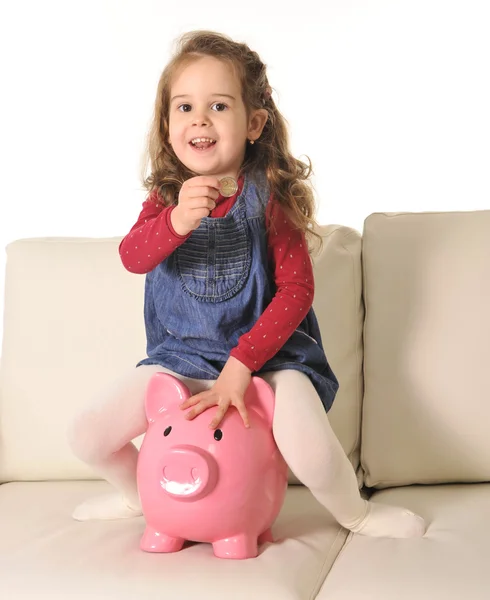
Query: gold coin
x,y
228,186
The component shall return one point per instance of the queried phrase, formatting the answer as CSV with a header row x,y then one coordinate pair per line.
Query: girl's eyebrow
x,y
181,96
187,96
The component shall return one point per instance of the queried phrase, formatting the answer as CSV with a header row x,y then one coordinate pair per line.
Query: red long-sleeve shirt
x,y
152,239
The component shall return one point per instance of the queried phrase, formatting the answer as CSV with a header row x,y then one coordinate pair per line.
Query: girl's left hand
x,y
228,390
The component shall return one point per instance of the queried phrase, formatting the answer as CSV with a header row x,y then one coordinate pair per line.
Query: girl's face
x,y
208,123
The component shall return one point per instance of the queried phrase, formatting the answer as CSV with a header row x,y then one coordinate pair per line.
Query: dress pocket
x,y
306,335
214,263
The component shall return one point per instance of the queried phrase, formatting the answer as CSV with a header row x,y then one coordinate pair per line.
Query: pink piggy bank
x,y
223,486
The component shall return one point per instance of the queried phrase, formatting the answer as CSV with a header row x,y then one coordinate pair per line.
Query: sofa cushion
x,y
449,563
340,311
74,323
426,348
102,560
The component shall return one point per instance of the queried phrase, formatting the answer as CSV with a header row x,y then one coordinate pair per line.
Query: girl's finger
x,y
218,417
203,192
202,203
240,406
198,409
204,180
192,401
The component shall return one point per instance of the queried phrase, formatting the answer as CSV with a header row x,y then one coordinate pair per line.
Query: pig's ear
x,y
164,392
260,397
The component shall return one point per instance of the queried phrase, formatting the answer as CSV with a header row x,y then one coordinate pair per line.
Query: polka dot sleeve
x,y
293,275
151,239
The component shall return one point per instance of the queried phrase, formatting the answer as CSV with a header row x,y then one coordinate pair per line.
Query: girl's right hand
x,y
197,198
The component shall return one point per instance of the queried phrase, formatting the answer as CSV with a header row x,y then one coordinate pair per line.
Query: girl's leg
x,y
306,440
101,436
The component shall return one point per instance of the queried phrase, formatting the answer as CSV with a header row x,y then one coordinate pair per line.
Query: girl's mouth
x,y
202,144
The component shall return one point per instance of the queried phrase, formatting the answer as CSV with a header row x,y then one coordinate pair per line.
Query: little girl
x,y
222,238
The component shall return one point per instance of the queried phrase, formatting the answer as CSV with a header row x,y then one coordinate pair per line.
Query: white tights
x,y
101,436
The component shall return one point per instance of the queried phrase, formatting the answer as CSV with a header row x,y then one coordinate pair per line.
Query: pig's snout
x,y
189,473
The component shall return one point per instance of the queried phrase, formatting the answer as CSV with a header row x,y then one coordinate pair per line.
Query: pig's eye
x,y
218,434
167,431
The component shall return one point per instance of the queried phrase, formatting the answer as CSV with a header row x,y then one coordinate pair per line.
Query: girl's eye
x,y
219,106
184,107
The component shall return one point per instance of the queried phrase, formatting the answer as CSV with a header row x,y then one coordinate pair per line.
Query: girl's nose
x,y
200,119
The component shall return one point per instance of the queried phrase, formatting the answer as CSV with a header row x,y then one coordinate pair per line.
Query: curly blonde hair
x,y
287,176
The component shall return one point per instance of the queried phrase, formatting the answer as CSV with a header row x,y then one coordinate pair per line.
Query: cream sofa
x,y
404,311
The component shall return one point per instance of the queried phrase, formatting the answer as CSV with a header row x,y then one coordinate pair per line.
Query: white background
x,y
389,99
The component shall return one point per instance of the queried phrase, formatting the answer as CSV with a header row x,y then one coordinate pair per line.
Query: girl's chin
x,y
212,170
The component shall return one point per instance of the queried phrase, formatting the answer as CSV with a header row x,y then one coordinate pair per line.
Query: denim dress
x,y
214,287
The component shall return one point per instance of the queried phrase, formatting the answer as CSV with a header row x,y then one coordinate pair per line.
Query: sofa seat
x,y
451,562
46,554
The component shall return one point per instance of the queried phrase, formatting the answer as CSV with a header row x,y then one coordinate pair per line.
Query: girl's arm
x,y
151,239
293,274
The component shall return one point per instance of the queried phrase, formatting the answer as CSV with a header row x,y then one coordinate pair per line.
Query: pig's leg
x,y
101,436
266,536
240,546
310,447
155,541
